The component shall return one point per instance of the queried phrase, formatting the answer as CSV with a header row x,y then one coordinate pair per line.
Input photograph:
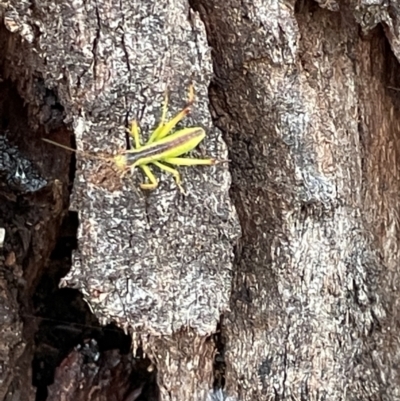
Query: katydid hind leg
x,y
188,161
164,130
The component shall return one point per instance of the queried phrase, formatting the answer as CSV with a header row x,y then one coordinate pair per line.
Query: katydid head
x,y
120,162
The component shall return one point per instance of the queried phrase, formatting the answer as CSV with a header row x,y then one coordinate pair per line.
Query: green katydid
x,y
162,147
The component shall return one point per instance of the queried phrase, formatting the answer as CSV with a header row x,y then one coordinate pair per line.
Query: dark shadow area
x,y
219,359
67,329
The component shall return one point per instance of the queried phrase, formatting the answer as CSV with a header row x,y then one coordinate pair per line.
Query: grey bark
x,y
306,96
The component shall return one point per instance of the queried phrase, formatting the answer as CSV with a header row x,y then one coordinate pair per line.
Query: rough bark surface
x,y
306,95
148,260
309,109
151,262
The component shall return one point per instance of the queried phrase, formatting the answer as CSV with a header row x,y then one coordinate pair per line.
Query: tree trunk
x,y
166,295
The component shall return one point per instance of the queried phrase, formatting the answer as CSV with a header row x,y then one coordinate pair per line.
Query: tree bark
x,y
305,96
158,264
308,103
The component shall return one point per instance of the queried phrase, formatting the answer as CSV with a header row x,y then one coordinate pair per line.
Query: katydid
x,y
163,146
